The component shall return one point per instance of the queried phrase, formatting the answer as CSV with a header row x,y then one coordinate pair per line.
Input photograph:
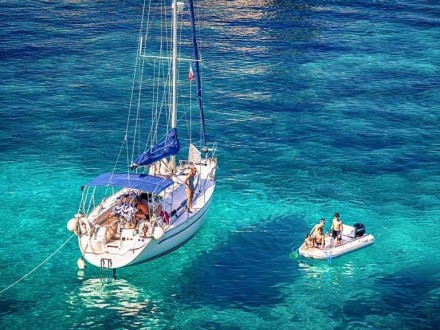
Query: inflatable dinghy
x,y
353,238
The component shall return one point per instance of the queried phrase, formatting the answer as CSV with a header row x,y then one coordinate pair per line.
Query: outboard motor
x,y
359,229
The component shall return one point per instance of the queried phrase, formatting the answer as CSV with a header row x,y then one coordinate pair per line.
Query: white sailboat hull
x,y
173,239
129,246
140,249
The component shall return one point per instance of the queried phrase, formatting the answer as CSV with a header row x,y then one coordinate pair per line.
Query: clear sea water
x,y
317,106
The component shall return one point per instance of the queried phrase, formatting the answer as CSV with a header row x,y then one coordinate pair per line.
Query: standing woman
x,y
189,182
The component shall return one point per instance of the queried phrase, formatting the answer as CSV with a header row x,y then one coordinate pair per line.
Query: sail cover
x,y
160,150
197,65
144,182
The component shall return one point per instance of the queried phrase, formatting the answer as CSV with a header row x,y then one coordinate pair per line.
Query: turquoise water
x,y
317,107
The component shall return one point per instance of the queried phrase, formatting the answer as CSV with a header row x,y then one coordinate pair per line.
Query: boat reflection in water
x,y
112,303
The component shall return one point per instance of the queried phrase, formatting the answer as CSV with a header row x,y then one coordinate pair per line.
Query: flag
x,y
191,73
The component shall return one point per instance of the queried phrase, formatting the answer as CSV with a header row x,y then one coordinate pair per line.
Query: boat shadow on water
x,y
254,266
11,306
248,270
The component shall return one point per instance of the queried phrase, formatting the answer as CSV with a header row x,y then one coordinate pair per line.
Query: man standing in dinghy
x,y
336,229
321,225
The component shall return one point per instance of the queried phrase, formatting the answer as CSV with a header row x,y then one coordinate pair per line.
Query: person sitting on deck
x,y
125,207
142,209
123,201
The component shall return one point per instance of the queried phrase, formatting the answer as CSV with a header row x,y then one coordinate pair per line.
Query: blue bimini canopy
x,y
144,182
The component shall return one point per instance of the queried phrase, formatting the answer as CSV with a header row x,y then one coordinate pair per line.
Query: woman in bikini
x,y
189,182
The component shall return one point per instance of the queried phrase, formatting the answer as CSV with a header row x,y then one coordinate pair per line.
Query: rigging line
x,y
41,264
84,199
151,13
120,152
92,200
156,105
137,64
138,127
159,100
161,75
190,109
197,67
152,138
132,94
137,119
82,208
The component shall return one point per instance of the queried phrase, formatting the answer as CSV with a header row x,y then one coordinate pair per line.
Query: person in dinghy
x,y
309,243
340,240
315,228
337,228
319,238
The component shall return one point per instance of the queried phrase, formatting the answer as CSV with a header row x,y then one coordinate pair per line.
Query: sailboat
x,y
160,199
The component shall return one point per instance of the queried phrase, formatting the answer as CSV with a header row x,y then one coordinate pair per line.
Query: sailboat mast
x,y
174,95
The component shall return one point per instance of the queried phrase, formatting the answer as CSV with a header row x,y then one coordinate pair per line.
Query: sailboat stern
x,y
101,252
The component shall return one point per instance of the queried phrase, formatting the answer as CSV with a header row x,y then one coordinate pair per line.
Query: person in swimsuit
x,y
142,210
337,228
122,205
309,242
319,238
189,182
321,225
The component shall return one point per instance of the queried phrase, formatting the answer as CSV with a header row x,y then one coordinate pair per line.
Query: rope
x,y
41,264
